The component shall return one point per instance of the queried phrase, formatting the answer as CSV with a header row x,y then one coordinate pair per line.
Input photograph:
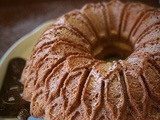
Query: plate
x,y
22,48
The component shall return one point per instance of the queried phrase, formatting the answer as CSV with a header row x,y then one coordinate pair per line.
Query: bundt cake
x,y
67,78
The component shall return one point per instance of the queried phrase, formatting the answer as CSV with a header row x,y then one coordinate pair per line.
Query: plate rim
x,y
4,60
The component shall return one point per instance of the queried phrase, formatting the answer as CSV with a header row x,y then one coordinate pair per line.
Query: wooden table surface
x,y
18,17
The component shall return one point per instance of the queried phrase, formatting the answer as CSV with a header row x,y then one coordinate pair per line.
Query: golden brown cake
x,y
67,78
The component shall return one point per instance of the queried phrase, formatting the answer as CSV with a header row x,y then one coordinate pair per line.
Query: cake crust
x,y
66,77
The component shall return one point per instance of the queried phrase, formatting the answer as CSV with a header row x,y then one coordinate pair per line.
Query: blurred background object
x,y
18,17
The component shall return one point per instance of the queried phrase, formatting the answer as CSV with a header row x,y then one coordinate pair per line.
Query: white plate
x,y
22,48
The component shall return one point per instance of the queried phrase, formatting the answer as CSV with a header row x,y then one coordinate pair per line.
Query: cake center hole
x,y
114,51
112,58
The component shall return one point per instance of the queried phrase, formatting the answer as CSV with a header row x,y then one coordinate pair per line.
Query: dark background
x,y
18,17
